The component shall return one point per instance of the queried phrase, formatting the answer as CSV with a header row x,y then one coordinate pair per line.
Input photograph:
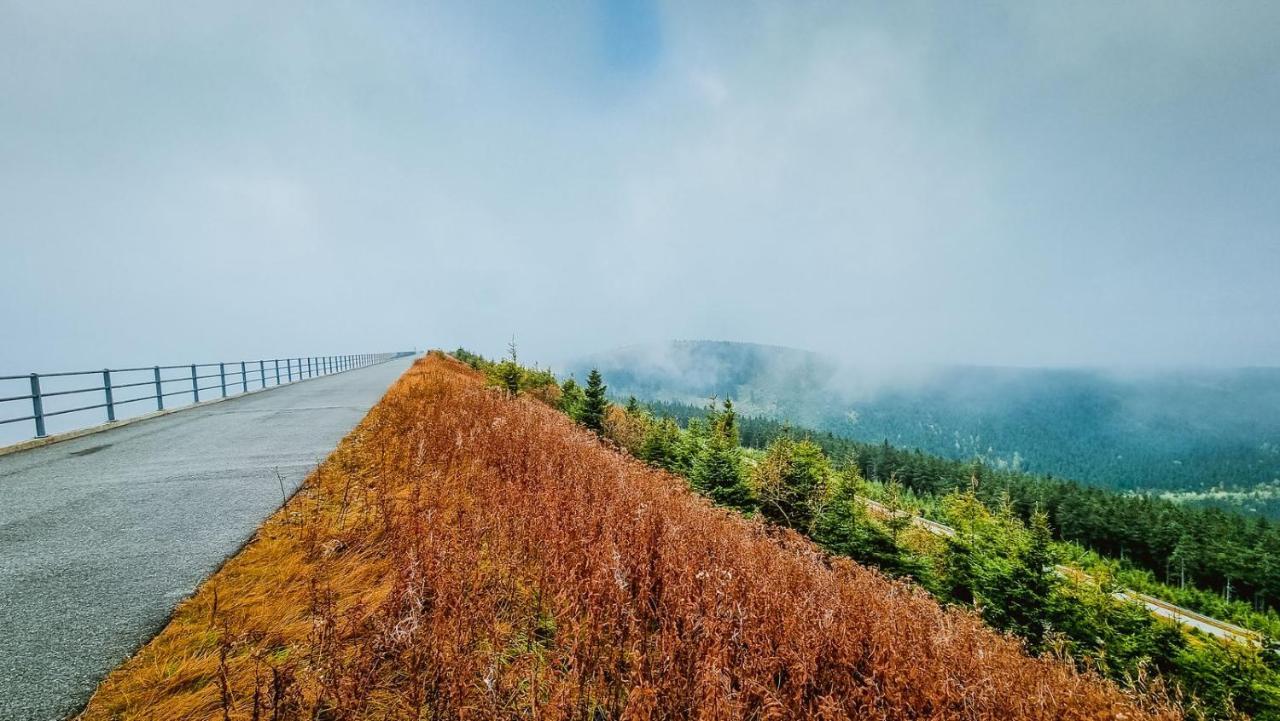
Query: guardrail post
x,y
244,379
111,402
262,373
37,405
159,392
195,385
277,362
222,376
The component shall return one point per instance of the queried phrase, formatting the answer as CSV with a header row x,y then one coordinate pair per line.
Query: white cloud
x,y
1019,184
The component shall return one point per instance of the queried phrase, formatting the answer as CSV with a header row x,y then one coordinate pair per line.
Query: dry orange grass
x,y
465,555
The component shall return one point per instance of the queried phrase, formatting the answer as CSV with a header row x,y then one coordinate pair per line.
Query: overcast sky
x,y
1019,183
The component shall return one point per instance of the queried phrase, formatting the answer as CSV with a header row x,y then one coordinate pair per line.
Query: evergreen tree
x,y
717,468
1032,584
507,374
789,481
899,518
594,403
662,447
571,398
964,558
843,527
960,569
691,444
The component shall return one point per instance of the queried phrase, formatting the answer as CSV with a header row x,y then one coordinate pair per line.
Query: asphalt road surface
x,y
101,536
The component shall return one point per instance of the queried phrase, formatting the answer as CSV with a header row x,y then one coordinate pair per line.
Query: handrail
x,y
233,378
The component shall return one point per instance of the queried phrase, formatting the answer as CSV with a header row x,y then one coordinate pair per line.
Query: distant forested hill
x,y
1210,436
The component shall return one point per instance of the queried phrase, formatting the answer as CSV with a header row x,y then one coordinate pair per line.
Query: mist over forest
x,y
1204,435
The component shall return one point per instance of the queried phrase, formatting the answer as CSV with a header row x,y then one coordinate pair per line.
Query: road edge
x,y
82,432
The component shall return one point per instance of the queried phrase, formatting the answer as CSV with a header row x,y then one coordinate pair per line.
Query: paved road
x,y
102,535
1156,606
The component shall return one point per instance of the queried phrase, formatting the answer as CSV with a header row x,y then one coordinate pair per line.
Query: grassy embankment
x,y
466,555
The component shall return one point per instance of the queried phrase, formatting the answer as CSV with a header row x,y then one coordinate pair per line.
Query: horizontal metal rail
x,y
232,378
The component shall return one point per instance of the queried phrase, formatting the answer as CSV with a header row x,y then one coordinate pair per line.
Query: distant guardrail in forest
x,y
1157,606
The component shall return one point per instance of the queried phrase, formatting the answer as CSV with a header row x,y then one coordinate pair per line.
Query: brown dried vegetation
x,y
468,555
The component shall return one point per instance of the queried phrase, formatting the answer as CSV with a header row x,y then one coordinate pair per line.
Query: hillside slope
x,y
466,555
1193,430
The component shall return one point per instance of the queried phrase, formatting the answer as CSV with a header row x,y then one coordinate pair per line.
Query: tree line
x,y
1000,562
1235,556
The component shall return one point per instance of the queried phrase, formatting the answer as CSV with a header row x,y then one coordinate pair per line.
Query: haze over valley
x,y
1203,435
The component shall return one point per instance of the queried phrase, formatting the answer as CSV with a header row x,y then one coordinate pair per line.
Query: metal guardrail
x,y
232,378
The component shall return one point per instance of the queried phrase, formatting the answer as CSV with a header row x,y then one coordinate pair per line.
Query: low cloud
x,y
1009,184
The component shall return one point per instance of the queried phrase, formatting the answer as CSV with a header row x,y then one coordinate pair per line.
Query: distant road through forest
x,y
1156,606
100,536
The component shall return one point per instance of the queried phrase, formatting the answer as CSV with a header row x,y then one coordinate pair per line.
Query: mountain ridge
x,y
1186,430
